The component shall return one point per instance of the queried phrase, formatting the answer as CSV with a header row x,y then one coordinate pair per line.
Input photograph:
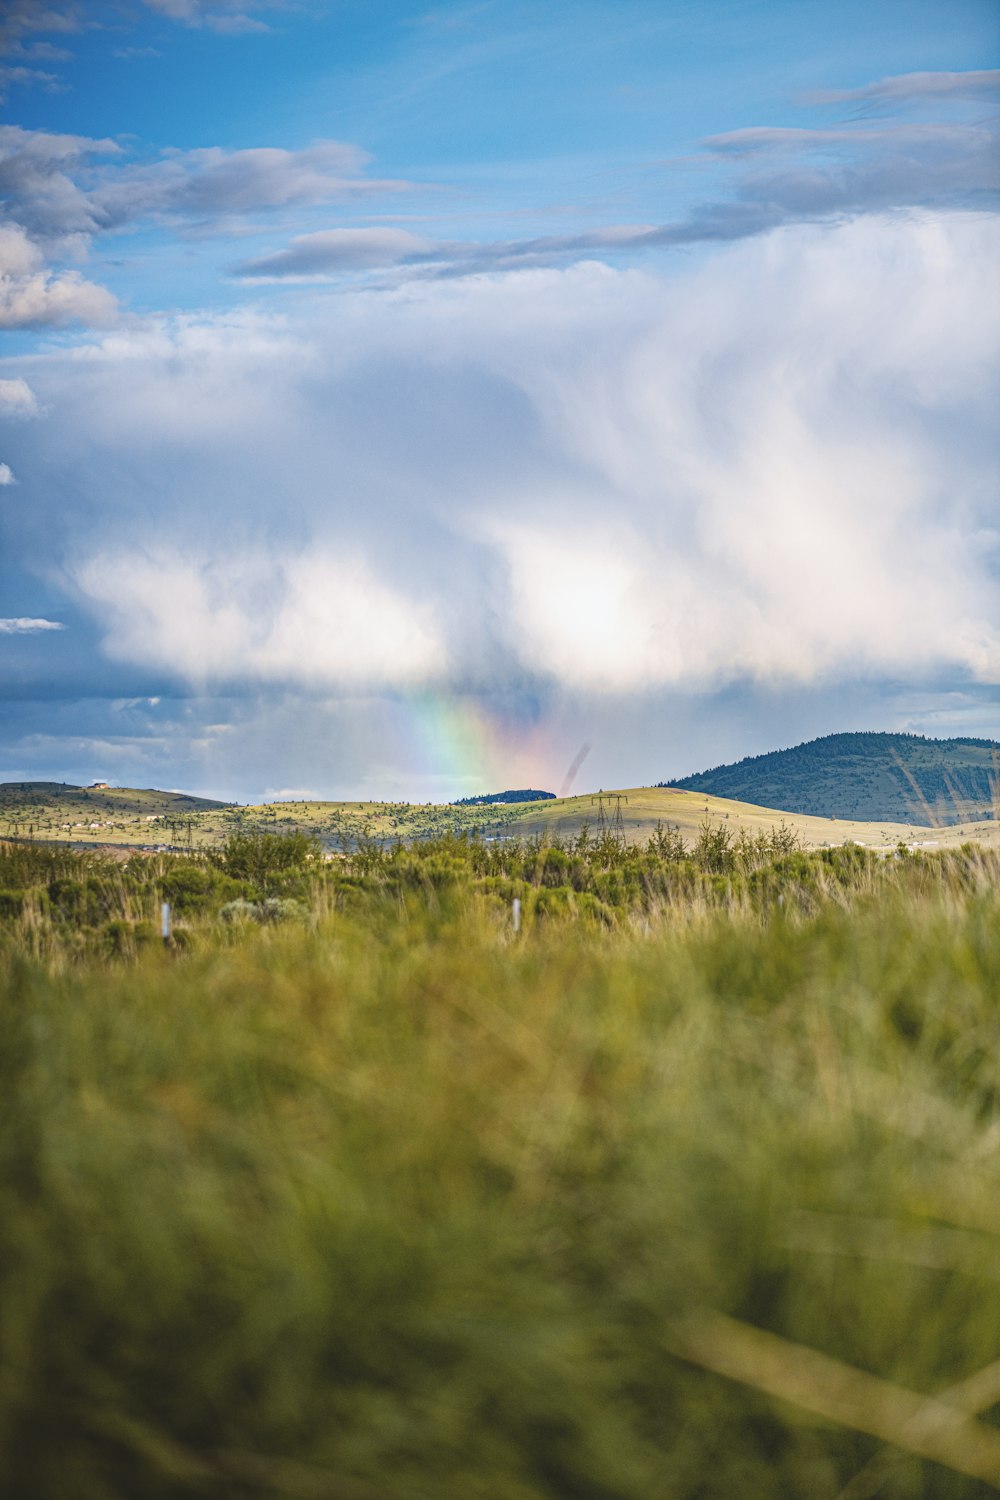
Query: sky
x,y
416,400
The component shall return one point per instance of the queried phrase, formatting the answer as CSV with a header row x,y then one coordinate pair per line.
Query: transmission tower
x,y
610,824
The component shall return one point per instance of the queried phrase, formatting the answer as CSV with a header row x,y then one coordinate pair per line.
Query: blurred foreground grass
x,y
387,1204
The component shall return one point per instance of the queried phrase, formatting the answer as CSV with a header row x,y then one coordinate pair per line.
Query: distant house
x,y
98,786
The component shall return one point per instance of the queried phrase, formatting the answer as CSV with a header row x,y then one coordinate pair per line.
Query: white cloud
x,y
48,297
331,250
776,508
17,399
782,175
6,475
809,175
591,610
954,139
235,25
59,186
24,625
18,255
975,84
210,183
787,176
38,172
777,467
20,18
327,253
322,621
232,19
58,192
21,77
31,296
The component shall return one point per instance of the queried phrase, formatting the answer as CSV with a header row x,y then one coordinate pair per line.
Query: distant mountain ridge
x,y
870,776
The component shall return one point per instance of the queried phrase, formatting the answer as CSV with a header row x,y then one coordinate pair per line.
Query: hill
x,y
489,797
885,778
57,810
642,808
131,819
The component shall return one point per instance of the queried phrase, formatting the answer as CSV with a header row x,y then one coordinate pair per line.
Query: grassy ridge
x,y
380,1200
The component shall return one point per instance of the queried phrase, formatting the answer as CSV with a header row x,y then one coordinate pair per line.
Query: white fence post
x,y
516,913
165,921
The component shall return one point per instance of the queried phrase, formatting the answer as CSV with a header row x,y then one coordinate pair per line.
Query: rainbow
x,y
463,745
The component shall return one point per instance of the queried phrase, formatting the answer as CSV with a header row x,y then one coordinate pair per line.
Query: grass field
x,y
125,817
688,1189
130,818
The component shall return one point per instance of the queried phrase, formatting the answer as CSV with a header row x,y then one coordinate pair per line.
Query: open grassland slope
x,y
128,818
125,818
688,1190
52,810
641,808
898,778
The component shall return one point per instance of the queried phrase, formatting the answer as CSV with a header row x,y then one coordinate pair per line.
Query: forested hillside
x,y
879,777
526,795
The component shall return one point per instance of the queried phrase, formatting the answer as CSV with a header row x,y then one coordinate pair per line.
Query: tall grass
x,y
388,1202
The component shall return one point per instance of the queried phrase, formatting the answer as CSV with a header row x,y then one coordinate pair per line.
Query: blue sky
x,y
395,397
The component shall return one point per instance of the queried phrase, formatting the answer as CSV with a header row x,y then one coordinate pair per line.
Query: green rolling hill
x,y
894,778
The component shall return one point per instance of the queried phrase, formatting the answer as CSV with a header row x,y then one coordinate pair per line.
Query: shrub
x,y
260,857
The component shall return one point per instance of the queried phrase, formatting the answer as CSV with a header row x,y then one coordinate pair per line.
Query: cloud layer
x,y
17,399
309,619
777,468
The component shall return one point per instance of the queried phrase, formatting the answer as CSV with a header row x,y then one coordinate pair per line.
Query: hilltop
x,y
526,795
885,778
